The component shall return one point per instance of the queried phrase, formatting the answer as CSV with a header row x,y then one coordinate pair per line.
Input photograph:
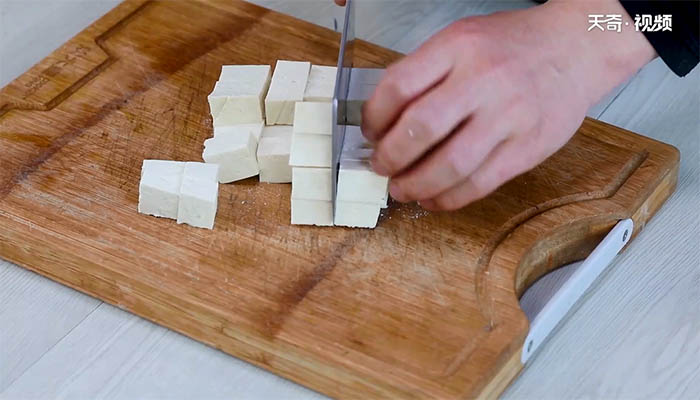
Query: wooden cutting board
x,y
426,305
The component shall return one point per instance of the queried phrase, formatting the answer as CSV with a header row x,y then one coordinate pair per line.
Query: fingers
x,y
402,83
453,161
426,122
508,160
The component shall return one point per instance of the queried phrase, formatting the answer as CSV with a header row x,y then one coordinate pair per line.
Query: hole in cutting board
x,y
536,296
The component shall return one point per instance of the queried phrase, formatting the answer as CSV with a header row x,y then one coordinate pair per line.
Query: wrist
x,y
597,60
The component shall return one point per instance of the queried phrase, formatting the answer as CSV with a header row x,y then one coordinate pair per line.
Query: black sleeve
x,y
679,47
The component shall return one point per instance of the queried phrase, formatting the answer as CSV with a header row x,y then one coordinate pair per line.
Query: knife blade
x,y
340,95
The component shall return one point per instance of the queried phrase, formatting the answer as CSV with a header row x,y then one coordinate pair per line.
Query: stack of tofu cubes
x,y
311,164
278,126
361,192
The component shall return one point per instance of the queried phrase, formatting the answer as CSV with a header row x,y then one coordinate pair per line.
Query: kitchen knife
x,y
340,95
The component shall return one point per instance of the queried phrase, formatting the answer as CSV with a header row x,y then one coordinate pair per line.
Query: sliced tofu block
x,y
310,150
234,151
313,117
273,154
244,130
217,98
358,183
287,87
199,194
159,190
312,212
356,215
357,148
238,95
312,184
239,108
256,74
321,83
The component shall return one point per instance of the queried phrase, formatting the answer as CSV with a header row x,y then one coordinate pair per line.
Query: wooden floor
x,y
635,335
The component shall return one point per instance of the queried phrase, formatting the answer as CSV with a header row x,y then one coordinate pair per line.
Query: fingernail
x,y
427,204
396,192
378,167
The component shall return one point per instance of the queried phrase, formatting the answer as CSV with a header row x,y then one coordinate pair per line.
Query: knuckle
x,y
388,158
421,126
456,164
394,86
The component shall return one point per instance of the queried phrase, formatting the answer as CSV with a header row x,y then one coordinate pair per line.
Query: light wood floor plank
x,y
35,314
116,355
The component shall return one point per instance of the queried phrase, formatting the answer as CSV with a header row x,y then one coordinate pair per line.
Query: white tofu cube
x,y
273,154
159,190
255,130
311,151
356,215
234,151
321,83
358,183
238,96
312,184
199,194
287,87
257,74
312,212
313,117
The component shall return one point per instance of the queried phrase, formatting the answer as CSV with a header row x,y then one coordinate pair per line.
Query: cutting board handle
x,y
67,69
573,289
55,78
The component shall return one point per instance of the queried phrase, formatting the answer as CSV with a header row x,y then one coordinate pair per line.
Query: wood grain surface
x,y
425,305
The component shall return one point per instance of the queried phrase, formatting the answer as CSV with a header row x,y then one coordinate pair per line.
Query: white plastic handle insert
x,y
571,291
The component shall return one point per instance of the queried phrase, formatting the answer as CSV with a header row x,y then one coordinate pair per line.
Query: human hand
x,y
490,97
